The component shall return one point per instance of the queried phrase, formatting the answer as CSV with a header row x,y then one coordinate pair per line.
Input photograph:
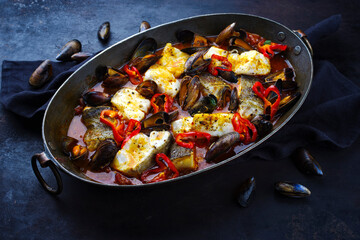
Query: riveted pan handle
x,y
303,37
45,162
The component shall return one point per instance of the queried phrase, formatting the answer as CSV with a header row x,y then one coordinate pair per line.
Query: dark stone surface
x,y
200,207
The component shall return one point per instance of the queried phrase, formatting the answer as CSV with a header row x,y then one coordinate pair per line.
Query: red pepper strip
x,y
260,91
167,105
134,75
114,126
269,48
242,126
133,128
224,61
192,139
162,169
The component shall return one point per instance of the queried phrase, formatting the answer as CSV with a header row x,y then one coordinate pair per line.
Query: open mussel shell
x,y
288,102
80,56
192,60
273,96
95,98
184,36
240,43
104,155
228,75
147,88
294,190
144,63
206,104
41,75
246,192
222,145
192,50
145,47
70,48
224,97
287,74
144,25
157,119
68,144
193,93
263,126
104,32
306,163
225,34
234,100
114,79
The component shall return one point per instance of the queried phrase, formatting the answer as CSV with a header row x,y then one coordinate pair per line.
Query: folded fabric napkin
x,y
329,113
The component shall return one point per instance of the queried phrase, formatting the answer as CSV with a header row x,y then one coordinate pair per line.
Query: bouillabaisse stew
x,y
181,108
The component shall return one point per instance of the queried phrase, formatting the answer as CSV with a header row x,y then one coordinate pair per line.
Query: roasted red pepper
x,y
267,48
134,75
156,102
243,127
116,125
133,128
262,93
224,61
163,170
192,139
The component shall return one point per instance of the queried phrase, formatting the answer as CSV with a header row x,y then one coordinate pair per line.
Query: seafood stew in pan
x,y
177,109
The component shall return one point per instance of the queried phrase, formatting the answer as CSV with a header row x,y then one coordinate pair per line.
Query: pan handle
x,y
303,37
45,162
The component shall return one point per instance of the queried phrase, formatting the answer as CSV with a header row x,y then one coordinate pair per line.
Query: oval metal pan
x,y
60,109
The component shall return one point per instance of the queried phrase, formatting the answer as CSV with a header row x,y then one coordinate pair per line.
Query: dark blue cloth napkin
x,y
330,113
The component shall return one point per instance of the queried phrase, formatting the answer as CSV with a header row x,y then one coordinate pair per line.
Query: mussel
x,y
147,88
306,163
294,190
263,125
246,192
222,145
192,50
41,75
146,47
234,100
288,102
184,36
68,144
95,98
287,74
77,153
196,64
114,79
272,95
68,50
228,75
206,104
101,72
224,97
144,63
239,44
225,34
80,56
104,154
144,25
157,119
104,32
189,92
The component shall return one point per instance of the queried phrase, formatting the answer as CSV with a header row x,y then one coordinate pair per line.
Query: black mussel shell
x,y
239,42
184,36
104,32
225,34
143,63
68,144
144,25
114,79
287,103
228,75
199,41
162,127
224,97
146,47
104,154
206,104
246,192
101,72
193,93
80,56
173,116
192,50
222,145
157,119
192,59
234,100
294,190
41,75
147,88
263,126
183,90
70,48
273,96
306,163
95,98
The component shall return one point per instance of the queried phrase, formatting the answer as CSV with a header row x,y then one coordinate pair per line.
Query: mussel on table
x,y
294,190
104,154
234,100
222,145
104,32
206,104
306,163
80,56
70,48
144,25
147,88
95,98
246,192
41,75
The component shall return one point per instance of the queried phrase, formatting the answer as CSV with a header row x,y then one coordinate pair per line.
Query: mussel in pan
x,y
306,163
234,100
246,192
114,78
144,63
68,50
287,74
189,93
104,32
147,88
206,104
68,144
225,34
294,190
288,102
222,145
263,126
41,75
95,98
146,47
104,154
228,75
239,44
